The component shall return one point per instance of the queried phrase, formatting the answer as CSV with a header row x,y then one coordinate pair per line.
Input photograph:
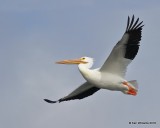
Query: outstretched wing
x,y
125,50
81,92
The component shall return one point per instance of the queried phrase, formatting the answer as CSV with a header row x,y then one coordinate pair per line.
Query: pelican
x,y
111,75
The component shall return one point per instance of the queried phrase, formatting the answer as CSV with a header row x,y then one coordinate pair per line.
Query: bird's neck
x,y
85,71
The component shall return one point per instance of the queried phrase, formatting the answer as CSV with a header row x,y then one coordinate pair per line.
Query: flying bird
x,y
111,75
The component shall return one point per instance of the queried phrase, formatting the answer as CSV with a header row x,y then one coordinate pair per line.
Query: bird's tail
x,y
134,83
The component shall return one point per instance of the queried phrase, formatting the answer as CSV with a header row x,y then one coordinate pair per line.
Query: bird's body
x,y
111,75
101,80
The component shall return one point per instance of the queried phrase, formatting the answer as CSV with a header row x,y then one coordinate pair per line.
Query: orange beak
x,y
74,61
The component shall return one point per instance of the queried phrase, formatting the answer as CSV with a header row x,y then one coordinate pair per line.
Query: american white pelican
x,y
111,75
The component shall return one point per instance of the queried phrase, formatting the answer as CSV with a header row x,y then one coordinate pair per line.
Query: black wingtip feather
x,y
134,29
50,101
131,23
135,23
128,21
139,25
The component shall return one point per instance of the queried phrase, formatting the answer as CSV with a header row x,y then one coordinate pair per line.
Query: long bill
x,y
74,61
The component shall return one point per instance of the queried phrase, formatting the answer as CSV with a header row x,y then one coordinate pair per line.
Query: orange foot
x,y
131,90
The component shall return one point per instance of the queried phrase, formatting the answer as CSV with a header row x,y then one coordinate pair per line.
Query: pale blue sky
x,y
36,33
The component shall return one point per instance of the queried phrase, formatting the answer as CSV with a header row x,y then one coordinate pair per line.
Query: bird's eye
x,y
83,58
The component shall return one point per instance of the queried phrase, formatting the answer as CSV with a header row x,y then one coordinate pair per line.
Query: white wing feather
x,y
116,63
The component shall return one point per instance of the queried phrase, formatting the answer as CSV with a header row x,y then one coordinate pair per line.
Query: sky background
x,y
36,33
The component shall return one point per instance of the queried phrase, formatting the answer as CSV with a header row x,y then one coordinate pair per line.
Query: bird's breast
x,y
92,76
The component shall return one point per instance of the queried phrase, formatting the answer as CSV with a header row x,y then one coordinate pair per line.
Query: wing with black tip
x,y
125,50
81,92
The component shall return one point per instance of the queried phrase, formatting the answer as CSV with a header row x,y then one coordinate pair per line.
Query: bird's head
x,y
85,61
